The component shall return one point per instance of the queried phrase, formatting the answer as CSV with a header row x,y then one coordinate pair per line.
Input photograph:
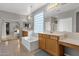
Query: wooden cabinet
x,y
24,33
52,45
49,43
41,41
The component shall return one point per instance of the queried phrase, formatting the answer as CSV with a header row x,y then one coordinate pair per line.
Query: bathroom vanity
x,y
54,43
50,43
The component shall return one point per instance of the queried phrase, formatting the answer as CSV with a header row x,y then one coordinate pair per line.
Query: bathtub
x,y
30,44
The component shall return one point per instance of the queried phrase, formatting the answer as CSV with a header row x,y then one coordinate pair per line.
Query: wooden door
x,y
51,46
41,42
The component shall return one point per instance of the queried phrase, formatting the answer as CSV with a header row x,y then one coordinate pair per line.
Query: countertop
x,y
54,33
70,41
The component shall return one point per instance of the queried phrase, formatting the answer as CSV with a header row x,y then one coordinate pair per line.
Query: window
x,y
39,22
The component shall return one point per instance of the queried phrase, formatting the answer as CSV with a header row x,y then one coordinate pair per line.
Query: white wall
x,y
13,25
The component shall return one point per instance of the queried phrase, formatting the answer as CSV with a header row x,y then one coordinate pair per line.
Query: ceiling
x,y
20,8
23,8
62,8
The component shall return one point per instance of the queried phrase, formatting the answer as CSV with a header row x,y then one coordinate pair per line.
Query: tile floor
x,y
15,48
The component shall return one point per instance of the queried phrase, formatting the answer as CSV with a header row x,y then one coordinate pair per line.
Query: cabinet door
x,y
51,46
42,43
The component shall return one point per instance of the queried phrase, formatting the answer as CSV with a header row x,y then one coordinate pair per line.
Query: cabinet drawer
x,y
54,37
46,36
41,35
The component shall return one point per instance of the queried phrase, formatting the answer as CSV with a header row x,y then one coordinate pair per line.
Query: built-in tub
x,y
31,44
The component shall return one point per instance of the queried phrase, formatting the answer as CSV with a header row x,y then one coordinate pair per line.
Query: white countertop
x,y
54,33
70,41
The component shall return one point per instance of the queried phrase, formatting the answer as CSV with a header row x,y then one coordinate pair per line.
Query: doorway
x,y
7,28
